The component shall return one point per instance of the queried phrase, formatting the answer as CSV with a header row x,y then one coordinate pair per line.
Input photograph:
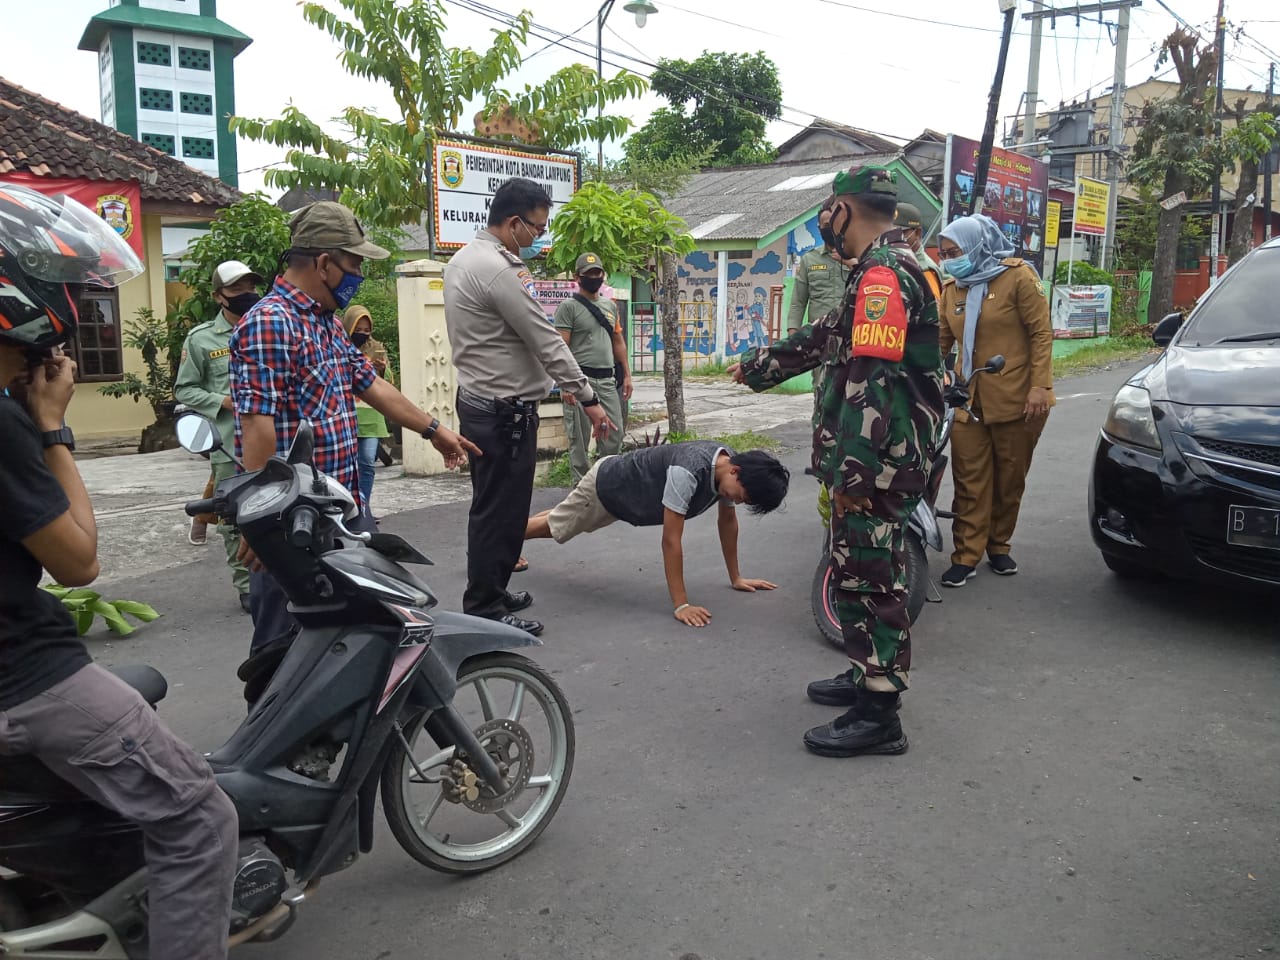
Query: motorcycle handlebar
x,y
197,507
302,526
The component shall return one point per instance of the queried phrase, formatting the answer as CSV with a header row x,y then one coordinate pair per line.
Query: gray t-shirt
x,y
637,486
589,342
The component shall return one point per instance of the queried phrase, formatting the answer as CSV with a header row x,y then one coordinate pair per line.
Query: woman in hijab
x,y
993,303
371,426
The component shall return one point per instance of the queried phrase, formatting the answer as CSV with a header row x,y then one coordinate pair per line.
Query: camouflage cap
x,y
864,181
327,225
588,261
908,216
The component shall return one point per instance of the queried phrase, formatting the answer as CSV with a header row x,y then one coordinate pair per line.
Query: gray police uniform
x,y
507,356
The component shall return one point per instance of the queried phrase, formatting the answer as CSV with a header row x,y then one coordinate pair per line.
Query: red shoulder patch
x,y
879,316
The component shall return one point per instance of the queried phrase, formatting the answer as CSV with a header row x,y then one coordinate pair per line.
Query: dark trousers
x,y
501,491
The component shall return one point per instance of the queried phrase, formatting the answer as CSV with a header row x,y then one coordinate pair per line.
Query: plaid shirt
x,y
292,361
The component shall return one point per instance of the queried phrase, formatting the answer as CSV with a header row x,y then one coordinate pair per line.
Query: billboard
x,y
1015,195
119,202
1092,200
466,176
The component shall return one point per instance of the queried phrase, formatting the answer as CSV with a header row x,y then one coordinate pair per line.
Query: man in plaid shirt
x,y
291,361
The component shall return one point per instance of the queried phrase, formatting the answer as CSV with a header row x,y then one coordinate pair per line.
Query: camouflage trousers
x,y
868,552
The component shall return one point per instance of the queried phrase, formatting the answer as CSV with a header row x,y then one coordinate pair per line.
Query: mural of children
x,y
759,333
740,335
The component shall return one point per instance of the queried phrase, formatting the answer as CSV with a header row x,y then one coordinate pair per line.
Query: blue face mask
x,y
346,288
958,267
539,243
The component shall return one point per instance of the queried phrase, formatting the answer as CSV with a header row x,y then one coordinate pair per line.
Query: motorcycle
x,y
923,529
425,706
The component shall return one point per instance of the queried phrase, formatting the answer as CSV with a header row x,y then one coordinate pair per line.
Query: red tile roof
x,y
47,139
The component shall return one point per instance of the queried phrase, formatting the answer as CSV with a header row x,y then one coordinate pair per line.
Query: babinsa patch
x,y
875,300
879,316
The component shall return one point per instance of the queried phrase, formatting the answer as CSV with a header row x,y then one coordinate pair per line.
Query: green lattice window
x,y
155,54
196,103
197,148
193,58
160,141
151,99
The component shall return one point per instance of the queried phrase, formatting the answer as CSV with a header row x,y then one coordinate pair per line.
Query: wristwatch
x,y
63,436
593,402
432,427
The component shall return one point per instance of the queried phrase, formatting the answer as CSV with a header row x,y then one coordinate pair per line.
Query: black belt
x,y
600,373
496,404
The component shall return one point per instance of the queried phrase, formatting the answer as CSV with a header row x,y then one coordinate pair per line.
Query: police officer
x,y
820,277
507,357
912,224
203,384
880,413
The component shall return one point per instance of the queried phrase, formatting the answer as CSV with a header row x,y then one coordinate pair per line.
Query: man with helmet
x,y
204,384
83,723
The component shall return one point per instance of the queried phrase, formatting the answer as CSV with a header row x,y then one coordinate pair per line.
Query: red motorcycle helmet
x,y
50,246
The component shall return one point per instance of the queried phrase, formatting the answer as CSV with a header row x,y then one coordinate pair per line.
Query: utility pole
x,y
1115,140
1007,7
1215,241
1033,77
1266,161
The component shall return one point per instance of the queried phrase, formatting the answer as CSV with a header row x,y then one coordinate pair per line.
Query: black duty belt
x,y
496,404
600,373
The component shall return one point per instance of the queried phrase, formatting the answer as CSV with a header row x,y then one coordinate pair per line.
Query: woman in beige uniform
x,y
992,304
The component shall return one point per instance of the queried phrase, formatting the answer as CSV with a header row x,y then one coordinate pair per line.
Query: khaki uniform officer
x,y
912,225
590,326
507,356
203,384
819,281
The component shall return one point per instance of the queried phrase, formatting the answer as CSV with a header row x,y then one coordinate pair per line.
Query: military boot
x,y
840,691
871,727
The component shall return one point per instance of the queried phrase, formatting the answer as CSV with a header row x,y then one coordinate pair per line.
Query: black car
x,y
1186,475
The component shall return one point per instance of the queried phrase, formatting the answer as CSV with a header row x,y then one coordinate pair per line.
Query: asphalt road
x,y
1093,772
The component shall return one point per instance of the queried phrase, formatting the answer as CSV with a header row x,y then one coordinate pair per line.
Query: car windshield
x,y
1244,306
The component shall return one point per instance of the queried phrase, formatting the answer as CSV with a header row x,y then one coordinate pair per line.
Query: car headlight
x,y
1132,419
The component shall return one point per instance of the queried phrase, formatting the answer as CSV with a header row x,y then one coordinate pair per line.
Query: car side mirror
x,y
197,434
1164,330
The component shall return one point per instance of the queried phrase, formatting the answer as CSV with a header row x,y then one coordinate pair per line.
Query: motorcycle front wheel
x,y
446,818
823,593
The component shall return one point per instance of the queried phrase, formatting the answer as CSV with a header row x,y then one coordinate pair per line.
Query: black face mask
x,y
828,237
837,236
591,284
360,339
242,303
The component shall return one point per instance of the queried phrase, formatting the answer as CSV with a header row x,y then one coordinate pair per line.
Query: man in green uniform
x,y
590,326
820,278
912,224
880,414
204,385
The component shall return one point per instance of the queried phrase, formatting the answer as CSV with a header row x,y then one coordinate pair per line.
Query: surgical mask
x,y
241,303
591,284
346,288
958,267
360,339
539,243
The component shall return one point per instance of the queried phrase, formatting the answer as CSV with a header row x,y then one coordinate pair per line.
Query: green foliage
x,y
562,111
558,473
662,177
149,335
628,229
380,297
1083,275
720,102
85,605
383,165
1114,349
1253,135
1136,232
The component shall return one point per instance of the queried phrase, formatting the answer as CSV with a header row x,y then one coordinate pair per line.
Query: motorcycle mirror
x,y
304,443
995,364
197,434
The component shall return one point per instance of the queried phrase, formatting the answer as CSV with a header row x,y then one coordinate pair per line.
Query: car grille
x,y
1241,561
1257,452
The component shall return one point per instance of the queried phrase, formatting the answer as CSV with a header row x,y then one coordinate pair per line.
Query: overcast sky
x,y
929,63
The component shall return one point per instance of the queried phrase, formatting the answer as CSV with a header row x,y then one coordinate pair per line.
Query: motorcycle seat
x,y
148,681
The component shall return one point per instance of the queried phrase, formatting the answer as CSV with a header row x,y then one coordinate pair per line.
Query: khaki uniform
x,y
592,347
818,287
202,383
990,459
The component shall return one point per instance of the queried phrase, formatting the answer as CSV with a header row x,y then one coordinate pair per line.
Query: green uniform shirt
x,y
203,380
589,342
819,285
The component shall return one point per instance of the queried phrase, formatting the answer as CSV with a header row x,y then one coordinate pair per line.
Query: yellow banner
x,y
1052,221
1092,198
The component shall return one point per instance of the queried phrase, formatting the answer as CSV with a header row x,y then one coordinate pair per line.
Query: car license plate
x,y
1253,527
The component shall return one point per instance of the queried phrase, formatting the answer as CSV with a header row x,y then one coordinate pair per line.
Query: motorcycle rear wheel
x,y
822,595
411,805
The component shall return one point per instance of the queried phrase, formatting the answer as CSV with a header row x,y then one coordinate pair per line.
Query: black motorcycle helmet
x,y
50,246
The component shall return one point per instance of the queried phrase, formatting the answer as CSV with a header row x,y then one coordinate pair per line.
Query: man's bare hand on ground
x,y
736,374
748,585
693,616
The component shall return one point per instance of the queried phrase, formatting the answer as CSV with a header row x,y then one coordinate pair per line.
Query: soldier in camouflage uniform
x,y
881,411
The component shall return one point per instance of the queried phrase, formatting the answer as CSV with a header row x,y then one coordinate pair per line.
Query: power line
x,y
543,49
940,23
667,5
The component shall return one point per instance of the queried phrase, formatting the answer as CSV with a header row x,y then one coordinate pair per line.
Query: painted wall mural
x,y
748,296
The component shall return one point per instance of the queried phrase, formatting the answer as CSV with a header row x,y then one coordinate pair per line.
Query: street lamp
x,y
642,9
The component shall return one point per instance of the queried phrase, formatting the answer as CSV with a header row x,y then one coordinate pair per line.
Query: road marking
x,y
1076,396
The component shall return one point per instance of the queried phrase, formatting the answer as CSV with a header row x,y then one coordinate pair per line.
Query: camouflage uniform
x,y
879,419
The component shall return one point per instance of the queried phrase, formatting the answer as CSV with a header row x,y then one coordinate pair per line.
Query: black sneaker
x,y
871,727
958,574
840,691
515,602
1002,564
528,626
